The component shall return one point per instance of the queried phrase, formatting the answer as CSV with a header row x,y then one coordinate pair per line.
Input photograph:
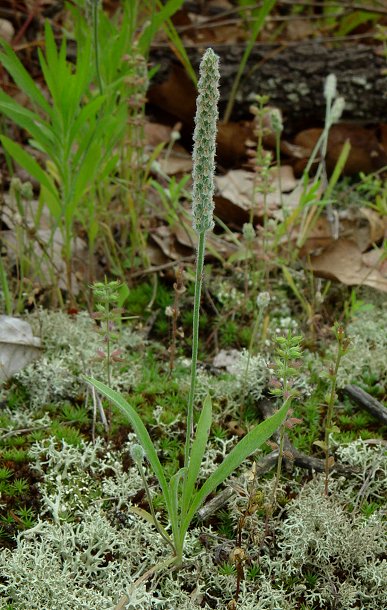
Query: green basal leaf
x,y
197,452
246,446
141,432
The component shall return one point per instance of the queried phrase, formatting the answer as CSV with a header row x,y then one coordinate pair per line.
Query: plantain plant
x,y
182,492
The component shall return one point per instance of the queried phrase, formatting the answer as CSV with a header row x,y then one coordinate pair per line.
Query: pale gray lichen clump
x,y
319,536
70,350
368,347
88,554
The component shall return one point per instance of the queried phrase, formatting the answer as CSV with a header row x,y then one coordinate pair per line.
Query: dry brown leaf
x,y
156,133
232,142
344,261
239,188
176,95
216,245
177,162
366,154
167,242
362,226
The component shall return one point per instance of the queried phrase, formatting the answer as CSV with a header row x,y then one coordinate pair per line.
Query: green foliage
x,y
253,571
76,130
71,435
227,569
228,333
19,487
106,295
27,516
15,455
226,526
5,473
71,413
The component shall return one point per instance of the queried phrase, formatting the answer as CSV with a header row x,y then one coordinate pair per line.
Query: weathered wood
x,y
368,402
293,76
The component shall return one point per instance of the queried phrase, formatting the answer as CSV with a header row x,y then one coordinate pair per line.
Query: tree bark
x,y
293,76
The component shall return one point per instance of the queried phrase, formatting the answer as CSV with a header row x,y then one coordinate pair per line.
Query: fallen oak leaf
x,y
344,261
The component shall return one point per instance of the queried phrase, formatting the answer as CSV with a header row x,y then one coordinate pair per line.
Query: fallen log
x,y
292,75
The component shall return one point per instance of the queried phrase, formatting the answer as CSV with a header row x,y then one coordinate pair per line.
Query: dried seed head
x,y
205,143
330,87
337,109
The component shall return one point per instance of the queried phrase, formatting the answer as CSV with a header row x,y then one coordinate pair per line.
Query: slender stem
x,y
96,47
279,461
328,421
108,347
195,343
149,498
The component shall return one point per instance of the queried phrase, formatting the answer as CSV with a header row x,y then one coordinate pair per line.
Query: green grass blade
x,y
29,164
21,77
258,23
51,50
341,161
157,20
180,51
197,451
149,518
291,283
141,433
88,113
30,121
246,446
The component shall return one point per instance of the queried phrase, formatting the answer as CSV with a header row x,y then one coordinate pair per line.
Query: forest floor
x,y
97,279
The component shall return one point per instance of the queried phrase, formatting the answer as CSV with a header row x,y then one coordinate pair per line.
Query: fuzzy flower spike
x,y
202,199
205,143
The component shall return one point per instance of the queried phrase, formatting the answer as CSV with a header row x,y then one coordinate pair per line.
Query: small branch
x,y
368,402
22,431
267,463
263,466
124,600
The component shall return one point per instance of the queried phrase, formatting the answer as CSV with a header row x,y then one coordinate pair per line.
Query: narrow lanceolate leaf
x,y
250,443
23,80
141,432
197,452
205,143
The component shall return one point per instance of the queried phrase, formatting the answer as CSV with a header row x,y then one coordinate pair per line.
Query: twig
x,y
298,458
22,431
365,400
159,566
264,466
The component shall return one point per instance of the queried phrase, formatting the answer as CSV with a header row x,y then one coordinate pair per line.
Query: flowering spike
x,y
205,143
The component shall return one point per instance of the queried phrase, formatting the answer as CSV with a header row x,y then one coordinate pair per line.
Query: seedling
x,y
342,348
